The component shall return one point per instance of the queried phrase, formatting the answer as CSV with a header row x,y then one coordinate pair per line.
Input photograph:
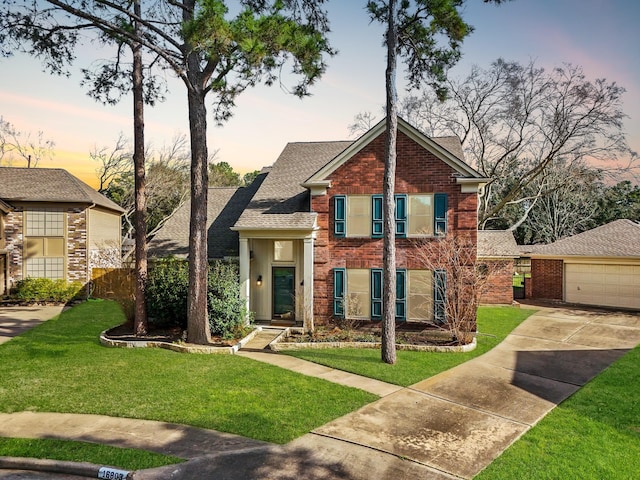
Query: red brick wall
x,y
499,287
417,171
546,279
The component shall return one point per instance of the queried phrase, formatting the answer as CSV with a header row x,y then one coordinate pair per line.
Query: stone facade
x,y
417,171
76,244
14,242
77,258
546,279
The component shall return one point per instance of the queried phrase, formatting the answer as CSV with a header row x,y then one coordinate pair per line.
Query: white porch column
x,y
245,272
308,281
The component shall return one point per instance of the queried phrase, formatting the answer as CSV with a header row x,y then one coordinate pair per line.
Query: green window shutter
x,y
376,216
401,215
339,281
340,215
440,214
439,295
401,294
376,293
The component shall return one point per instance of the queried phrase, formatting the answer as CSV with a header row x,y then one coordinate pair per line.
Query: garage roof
x,y
620,238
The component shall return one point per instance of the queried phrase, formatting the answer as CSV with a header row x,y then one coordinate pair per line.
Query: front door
x,y
284,293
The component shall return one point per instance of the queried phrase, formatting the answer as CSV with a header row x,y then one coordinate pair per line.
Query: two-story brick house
x,y
55,226
312,233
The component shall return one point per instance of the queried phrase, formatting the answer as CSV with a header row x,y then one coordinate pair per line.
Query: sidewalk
x,y
449,426
15,320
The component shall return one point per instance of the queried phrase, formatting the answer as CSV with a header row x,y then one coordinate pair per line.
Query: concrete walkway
x,y
15,320
449,426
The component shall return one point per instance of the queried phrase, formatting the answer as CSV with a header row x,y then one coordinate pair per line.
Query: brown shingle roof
x,y
452,144
281,202
620,238
497,244
48,185
224,206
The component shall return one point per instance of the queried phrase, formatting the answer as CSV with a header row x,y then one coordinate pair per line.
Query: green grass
x,y
60,366
595,434
494,324
126,458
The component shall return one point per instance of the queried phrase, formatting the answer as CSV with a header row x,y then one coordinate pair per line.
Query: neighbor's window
x,y
41,267
45,223
44,245
283,250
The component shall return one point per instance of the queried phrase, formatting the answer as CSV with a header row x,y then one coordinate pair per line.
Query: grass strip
x,y
594,434
73,451
494,324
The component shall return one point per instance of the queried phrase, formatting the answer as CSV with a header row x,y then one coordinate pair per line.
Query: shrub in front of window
x,y
48,290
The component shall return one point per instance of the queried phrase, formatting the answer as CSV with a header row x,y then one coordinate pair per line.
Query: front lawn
x,y
60,366
594,434
494,324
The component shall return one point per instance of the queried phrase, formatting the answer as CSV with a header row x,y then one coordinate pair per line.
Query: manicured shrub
x,y
166,293
225,309
47,290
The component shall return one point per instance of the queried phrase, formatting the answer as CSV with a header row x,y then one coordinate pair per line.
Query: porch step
x,y
263,338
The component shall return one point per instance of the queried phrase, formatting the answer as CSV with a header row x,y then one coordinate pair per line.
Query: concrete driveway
x,y
15,320
459,421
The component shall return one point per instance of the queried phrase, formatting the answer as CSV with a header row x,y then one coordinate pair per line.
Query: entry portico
x,y
276,273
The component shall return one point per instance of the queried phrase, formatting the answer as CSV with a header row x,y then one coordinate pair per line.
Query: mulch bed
x,y
171,334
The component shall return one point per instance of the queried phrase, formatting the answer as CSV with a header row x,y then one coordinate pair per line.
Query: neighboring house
x,y
310,240
498,249
598,267
54,226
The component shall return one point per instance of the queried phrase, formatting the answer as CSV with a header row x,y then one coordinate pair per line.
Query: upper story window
x,y
416,215
359,216
45,223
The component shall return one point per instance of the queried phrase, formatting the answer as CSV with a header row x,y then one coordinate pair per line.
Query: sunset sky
x,y
602,36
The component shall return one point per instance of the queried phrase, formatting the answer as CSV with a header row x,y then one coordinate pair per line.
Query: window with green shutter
x,y
440,214
376,293
440,295
376,216
338,291
401,215
340,215
401,294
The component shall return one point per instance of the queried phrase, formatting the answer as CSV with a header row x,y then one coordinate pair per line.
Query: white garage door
x,y
600,284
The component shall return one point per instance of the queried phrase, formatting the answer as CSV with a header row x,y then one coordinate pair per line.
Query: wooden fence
x,y
113,284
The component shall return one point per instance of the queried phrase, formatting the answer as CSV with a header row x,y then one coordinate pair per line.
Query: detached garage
x,y
600,267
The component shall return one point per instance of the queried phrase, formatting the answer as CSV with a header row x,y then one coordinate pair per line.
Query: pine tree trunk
x,y
140,319
389,249
197,319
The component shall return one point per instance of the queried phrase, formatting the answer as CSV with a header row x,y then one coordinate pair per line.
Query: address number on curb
x,y
112,474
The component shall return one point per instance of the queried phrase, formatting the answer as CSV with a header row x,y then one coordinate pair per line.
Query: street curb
x,y
81,469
